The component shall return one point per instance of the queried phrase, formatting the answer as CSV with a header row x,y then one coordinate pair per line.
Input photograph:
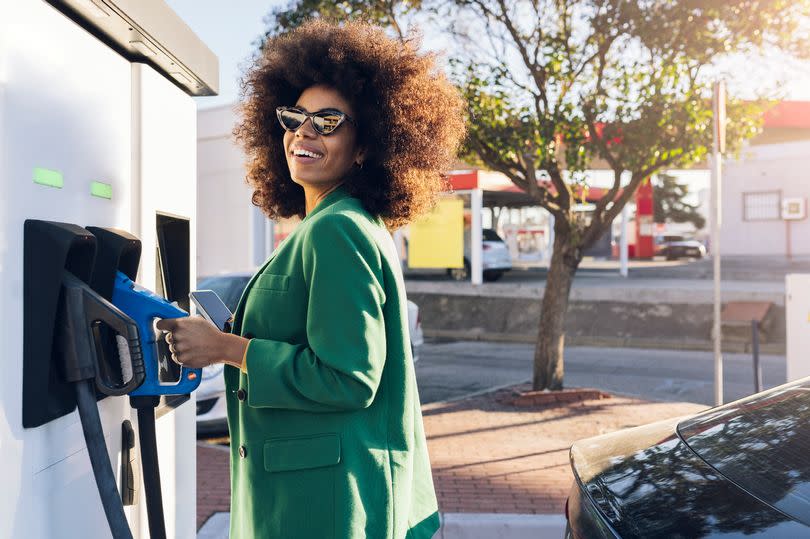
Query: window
x,y
762,206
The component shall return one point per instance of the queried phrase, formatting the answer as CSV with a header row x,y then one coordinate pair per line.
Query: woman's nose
x,y
306,129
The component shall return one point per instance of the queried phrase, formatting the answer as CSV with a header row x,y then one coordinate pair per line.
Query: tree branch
x,y
537,72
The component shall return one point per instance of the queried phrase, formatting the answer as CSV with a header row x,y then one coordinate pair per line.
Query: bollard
x,y
755,352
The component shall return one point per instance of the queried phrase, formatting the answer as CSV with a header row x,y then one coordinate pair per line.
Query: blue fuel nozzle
x,y
163,375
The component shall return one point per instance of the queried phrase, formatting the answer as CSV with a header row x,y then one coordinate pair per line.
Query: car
x,y
496,259
211,410
734,471
675,247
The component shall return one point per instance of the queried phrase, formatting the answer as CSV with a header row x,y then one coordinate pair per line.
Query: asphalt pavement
x,y
449,370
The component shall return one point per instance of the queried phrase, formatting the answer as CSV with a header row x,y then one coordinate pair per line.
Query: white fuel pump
x,y
97,129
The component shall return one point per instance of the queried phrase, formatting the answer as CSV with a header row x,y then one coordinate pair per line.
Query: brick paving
x,y
488,455
213,481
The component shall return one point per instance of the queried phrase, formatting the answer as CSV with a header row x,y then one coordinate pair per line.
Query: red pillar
x,y
645,245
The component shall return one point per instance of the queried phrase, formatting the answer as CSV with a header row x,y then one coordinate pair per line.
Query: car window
x,y
761,444
238,286
228,288
491,235
220,285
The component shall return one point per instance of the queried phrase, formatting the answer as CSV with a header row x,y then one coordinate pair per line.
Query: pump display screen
x,y
172,282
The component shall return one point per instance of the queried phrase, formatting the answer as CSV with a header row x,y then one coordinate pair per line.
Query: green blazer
x,y
326,428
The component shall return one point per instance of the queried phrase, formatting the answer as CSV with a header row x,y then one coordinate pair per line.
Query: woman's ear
x,y
359,157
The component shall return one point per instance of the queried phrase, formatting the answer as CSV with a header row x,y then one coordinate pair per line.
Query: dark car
x,y
675,247
739,470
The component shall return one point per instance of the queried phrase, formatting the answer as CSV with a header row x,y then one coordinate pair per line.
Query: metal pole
x,y
476,237
719,120
755,352
717,331
623,244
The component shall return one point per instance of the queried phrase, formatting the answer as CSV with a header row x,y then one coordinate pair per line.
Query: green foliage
x,y
669,203
385,13
572,82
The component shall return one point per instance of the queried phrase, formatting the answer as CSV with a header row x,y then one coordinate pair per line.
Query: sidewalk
x,y
495,465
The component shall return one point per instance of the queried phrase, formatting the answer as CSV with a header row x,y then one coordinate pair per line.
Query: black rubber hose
x,y
100,460
151,472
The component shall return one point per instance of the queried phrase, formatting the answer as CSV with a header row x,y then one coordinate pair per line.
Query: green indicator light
x,y
51,178
101,190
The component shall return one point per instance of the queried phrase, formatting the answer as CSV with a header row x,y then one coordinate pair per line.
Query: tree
x,y
384,13
669,204
553,85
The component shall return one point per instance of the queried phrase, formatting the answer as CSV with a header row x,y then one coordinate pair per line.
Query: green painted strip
x,y
51,178
101,190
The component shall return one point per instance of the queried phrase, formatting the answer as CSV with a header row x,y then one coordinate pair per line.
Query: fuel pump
x,y
112,144
100,345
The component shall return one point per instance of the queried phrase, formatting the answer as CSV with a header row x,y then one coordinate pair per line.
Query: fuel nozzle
x,y
98,340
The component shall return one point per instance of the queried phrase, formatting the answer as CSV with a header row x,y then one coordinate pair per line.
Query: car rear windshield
x,y
762,444
491,235
229,288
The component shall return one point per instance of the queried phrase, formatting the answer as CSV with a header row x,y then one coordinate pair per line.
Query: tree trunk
x,y
548,352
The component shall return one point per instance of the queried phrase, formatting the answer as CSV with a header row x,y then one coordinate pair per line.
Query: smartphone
x,y
211,307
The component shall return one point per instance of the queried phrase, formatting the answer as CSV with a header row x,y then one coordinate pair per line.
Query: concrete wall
x,y
776,167
598,323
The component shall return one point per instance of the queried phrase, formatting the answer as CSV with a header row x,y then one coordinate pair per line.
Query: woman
x,y
351,131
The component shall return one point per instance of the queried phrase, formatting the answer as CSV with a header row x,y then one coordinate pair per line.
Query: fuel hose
x,y
151,467
100,460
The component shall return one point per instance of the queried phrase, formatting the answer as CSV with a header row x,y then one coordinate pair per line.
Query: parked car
x,y
675,247
211,411
495,259
739,470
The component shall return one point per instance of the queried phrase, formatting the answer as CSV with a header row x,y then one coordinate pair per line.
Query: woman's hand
x,y
196,343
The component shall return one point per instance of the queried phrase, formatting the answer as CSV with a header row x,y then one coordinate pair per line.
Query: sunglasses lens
x,y
327,123
291,119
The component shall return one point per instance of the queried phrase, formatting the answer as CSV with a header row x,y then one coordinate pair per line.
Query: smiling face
x,y
319,162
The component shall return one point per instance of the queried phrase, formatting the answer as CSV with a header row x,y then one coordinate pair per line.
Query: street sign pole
x,y
719,116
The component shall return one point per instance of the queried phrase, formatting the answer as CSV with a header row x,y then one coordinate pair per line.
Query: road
x,y
450,370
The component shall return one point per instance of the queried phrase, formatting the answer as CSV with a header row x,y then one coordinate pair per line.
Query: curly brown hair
x,y
409,116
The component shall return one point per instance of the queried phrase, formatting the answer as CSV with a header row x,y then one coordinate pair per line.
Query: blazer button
x,y
241,394
243,451
248,336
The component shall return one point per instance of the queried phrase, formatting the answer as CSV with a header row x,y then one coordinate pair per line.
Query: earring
x,y
358,164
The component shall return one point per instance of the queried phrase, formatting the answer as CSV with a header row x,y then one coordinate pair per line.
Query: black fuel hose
x,y
100,460
151,467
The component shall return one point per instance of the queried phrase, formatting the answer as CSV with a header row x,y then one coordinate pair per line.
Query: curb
x,y
454,526
500,526
438,404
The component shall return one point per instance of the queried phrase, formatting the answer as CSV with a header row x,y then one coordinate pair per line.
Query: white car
x,y
495,257
211,410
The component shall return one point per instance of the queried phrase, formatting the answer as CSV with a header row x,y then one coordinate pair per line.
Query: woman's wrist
x,y
234,348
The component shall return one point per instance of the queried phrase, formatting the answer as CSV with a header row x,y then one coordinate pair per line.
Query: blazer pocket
x,y
301,453
271,281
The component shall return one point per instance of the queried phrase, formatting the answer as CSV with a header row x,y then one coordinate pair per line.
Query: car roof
x,y
236,274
